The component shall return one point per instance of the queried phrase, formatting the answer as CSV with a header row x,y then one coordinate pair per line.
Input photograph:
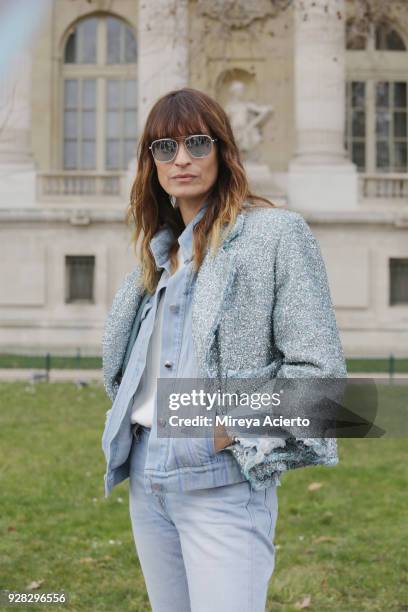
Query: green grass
x,y
57,526
94,363
376,365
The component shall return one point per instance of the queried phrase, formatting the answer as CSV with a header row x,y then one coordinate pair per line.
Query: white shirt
x,y
145,396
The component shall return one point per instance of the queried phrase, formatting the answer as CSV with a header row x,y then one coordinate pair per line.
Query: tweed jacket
x,y
261,308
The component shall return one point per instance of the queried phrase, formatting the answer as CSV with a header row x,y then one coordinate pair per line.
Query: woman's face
x,y
200,173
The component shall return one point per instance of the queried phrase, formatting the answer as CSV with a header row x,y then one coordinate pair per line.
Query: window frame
x,y
68,271
391,303
101,72
371,66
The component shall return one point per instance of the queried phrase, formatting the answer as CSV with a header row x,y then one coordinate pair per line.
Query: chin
x,y
185,193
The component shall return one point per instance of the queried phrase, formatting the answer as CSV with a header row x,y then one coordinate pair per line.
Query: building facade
x,y
319,112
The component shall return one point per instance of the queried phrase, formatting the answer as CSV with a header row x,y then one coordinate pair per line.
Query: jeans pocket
x,y
263,510
271,506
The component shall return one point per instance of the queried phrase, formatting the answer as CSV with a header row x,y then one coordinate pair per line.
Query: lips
x,y
184,176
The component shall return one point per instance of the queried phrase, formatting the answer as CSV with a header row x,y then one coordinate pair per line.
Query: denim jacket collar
x,y
162,240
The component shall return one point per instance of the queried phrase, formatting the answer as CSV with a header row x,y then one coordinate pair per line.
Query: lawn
x,y
341,545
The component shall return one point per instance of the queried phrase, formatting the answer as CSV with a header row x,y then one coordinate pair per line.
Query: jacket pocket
x,y
191,452
267,371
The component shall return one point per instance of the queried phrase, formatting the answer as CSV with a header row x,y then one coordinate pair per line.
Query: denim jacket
x,y
261,308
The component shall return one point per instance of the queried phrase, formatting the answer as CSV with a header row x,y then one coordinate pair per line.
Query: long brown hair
x,y
178,113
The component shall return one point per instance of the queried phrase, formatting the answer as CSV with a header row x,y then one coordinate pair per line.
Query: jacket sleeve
x,y
306,335
117,329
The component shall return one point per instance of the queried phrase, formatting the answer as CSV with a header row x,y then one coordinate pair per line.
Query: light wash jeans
x,y
206,549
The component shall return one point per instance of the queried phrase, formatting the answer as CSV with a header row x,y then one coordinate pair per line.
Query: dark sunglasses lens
x,y
164,150
199,146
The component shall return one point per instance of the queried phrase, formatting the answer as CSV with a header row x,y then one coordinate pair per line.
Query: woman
x,y
227,285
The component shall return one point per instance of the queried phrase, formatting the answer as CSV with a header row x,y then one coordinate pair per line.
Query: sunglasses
x,y
197,145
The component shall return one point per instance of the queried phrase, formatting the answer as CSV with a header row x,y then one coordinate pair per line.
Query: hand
x,y
221,439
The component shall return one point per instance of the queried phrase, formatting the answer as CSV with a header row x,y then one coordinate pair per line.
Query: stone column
x,y
163,51
320,175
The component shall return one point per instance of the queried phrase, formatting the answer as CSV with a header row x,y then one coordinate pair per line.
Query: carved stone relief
x,y
240,13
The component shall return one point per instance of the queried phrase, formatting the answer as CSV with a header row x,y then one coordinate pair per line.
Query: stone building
x,y
327,137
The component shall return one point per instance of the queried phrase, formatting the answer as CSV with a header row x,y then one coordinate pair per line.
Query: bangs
x,y
176,118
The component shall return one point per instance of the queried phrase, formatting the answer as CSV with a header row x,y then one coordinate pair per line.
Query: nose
x,y
182,158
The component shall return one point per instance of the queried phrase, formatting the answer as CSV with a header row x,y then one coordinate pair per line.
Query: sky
x,y
20,21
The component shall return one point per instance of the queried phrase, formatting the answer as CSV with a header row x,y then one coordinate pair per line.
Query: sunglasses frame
x,y
184,138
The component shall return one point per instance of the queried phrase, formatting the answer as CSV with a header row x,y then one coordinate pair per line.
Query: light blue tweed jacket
x,y
261,308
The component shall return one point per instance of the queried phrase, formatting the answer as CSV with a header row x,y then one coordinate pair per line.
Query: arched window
x,y
388,39
376,98
383,36
99,95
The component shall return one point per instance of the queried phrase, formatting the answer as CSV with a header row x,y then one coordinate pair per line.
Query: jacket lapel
x,y
212,292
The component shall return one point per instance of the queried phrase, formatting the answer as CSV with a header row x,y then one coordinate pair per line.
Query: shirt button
x,y
174,308
157,487
168,364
